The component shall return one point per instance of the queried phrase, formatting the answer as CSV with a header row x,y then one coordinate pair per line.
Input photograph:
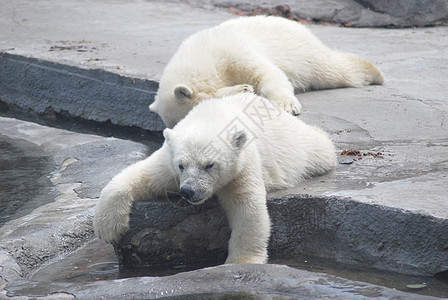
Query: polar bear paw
x,y
290,105
235,89
110,226
244,88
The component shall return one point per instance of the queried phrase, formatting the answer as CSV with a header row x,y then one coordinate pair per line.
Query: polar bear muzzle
x,y
193,197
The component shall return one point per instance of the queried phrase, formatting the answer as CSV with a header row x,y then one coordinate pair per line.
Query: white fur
x,y
238,147
272,56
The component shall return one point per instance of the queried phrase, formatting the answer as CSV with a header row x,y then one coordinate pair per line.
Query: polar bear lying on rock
x,y
271,56
238,148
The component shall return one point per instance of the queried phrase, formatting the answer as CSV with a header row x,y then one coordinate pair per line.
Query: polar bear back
x,y
271,56
281,42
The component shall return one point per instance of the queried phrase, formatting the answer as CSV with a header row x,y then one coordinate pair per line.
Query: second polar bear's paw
x,y
289,104
294,109
110,227
235,89
245,88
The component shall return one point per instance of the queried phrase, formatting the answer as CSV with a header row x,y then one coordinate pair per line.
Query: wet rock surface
x,y
81,166
24,168
242,282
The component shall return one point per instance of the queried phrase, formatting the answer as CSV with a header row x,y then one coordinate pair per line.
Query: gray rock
x,y
410,13
339,229
362,13
166,232
239,282
30,86
82,164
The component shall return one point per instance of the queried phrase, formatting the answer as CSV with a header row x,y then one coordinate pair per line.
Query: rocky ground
x,y
362,13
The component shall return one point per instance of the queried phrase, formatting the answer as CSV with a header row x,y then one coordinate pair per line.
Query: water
x,y
97,261
24,178
437,287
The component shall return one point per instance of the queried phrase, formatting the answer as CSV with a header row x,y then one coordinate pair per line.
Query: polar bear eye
x,y
181,167
209,166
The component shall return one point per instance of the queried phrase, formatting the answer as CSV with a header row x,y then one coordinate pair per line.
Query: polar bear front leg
x,y
142,180
273,84
235,89
249,221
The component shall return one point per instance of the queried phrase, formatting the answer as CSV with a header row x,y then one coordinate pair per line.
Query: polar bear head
x,y
204,164
174,104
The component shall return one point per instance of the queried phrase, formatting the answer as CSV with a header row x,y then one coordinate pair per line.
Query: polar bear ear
x,y
168,135
238,139
182,92
153,107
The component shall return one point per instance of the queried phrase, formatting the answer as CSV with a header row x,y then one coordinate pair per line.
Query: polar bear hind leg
x,y
341,70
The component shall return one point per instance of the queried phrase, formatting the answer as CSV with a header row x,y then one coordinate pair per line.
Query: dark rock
x,y
360,13
240,281
45,90
165,232
410,13
334,228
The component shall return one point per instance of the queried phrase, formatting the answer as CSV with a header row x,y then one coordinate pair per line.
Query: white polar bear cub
x,y
271,56
238,148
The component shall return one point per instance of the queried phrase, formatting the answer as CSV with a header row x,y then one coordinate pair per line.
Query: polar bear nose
x,y
186,192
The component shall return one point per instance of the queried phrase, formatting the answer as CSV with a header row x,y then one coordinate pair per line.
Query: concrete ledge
x,y
32,86
342,229
348,231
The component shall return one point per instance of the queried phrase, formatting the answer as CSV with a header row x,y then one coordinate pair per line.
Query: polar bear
x,y
238,148
271,56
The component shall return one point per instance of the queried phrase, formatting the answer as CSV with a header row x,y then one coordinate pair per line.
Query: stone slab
x,y
359,13
133,38
109,56
167,233
82,164
227,282
242,281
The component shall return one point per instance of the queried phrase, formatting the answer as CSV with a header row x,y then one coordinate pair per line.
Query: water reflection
x,y
97,261
434,287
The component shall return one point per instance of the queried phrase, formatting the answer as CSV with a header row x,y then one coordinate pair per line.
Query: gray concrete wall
x,y
34,87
